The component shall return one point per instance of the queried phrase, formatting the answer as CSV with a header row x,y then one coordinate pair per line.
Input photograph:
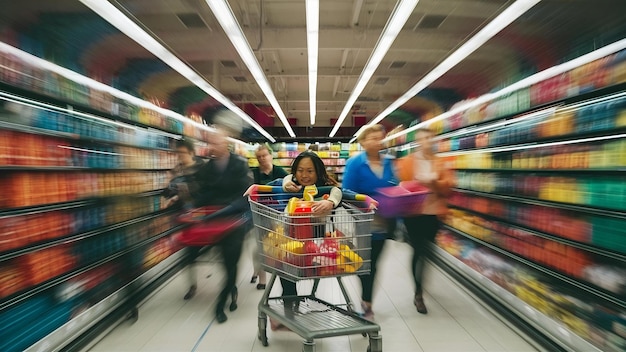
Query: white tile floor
x,y
455,322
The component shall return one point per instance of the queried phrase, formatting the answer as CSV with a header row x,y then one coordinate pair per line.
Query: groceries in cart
x,y
325,256
301,244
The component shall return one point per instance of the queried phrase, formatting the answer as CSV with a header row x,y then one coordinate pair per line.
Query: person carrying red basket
x,y
220,183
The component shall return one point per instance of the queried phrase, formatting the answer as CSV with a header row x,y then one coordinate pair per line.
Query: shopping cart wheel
x,y
263,338
376,343
133,315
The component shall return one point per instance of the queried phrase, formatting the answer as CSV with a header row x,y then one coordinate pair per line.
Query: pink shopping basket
x,y
403,200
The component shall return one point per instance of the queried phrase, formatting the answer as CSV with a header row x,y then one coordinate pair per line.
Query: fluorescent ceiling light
x,y
120,21
494,27
312,41
526,82
396,22
225,16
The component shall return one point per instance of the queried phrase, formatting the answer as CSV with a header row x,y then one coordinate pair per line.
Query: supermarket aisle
x,y
455,321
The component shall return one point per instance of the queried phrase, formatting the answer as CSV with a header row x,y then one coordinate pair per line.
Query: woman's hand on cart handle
x,y
170,201
251,190
291,187
372,203
322,206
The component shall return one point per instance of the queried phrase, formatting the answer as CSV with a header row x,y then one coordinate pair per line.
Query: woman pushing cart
x,y
296,243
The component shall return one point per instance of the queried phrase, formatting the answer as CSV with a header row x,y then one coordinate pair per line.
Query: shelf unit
x,y
110,228
564,155
551,329
576,244
545,203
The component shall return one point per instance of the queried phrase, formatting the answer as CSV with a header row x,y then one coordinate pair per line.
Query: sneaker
x,y
253,279
220,317
190,293
368,313
418,301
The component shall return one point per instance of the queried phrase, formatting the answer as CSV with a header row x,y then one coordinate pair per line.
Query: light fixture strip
x,y
505,18
225,16
524,83
397,20
312,41
120,21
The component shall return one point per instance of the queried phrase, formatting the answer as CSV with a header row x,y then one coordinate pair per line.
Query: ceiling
x,y
70,34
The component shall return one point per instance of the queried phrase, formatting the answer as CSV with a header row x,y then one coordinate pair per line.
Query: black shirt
x,y
263,179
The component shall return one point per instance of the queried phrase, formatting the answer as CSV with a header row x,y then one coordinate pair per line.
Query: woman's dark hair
x,y
323,178
187,144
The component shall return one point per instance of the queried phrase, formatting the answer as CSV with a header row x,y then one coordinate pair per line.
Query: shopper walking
x,y
424,167
221,182
264,174
177,191
365,173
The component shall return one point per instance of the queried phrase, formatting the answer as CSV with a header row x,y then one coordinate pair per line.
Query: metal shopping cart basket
x,y
307,246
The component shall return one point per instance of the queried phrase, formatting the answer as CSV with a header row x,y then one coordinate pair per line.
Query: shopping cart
x,y
307,246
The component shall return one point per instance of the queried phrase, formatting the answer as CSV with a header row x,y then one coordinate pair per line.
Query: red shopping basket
x,y
205,233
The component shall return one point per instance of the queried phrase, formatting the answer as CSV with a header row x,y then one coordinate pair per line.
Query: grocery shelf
x,y
564,278
570,100
4,125
80,329
581,245
21,296
602,171
564,101
558,205
540,142
64,105
544,329
35,209
72,168
80,236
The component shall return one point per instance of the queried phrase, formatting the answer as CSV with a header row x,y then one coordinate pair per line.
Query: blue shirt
x,y
359,177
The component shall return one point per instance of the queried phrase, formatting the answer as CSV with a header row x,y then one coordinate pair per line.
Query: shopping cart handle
x,y
270,188
351,195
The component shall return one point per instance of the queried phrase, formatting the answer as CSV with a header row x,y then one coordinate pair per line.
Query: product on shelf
x,y
570,261
596,321
599,191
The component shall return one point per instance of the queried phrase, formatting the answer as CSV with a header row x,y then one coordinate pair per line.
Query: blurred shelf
x,y
564,278
602,171
559,205
569,100
64,104
540,142
549,333
596,93
4,125
73,168
98,319
34,209
581,245
10,254
21,296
